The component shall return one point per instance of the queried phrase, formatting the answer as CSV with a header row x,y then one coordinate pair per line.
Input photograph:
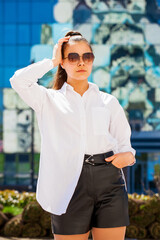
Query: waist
x,y
97,159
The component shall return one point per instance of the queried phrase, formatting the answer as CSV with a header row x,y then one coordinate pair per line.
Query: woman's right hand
x,y
57,56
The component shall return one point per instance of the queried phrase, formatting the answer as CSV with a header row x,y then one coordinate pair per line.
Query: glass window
x,y
23,56
10,11
1,55
35,33
23,173
10,34
144,173
23,34
10,166
8,72
1,77
1,34
1,12
42,11
24,11
10,55
1,168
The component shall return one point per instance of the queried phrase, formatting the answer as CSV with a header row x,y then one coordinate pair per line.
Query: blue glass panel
x,y
1,77
10,55
23,34
8,73
1,56
82,14
59,30
1,34
10,12
1,104
35,33
41,51
23,170
10,33
42,12
10,167
23,56
1,12
24,13
158,2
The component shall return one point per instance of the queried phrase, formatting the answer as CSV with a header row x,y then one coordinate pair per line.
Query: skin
x,y
79,81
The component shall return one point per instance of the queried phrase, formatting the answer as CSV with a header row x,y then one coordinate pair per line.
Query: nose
x,y
80,62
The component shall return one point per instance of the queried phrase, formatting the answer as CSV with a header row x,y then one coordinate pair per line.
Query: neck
x,y
80,86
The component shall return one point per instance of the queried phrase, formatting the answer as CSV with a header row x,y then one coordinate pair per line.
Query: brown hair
x,y
61,76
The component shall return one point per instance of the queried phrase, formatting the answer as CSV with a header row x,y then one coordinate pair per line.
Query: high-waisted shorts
x,y
100,200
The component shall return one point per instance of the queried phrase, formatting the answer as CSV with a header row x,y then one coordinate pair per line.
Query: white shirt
x,y
70,126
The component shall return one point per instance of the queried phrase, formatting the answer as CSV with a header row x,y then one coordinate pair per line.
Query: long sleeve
x,y
120,128
24,82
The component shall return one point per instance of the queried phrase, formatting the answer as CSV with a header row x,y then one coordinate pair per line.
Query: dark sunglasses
x,y
87,57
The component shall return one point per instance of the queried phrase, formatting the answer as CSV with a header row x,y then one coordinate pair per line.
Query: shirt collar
x,y
67,86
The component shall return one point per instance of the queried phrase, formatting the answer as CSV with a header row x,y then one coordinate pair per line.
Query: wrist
x,y
54,62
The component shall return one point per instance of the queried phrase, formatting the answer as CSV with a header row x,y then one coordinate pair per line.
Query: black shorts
x,y
100,200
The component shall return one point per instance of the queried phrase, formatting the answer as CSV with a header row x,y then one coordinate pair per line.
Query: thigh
x,y
72,237
111,206
117,233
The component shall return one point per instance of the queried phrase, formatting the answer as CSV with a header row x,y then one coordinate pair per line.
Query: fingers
x,y
56,55
110,158
61,40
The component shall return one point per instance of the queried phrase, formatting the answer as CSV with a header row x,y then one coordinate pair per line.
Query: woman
x,y
85,143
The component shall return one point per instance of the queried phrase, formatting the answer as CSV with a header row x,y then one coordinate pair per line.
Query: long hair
x,y
61,76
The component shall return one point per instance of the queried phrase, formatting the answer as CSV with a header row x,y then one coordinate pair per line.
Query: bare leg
x,y
72,237
117,233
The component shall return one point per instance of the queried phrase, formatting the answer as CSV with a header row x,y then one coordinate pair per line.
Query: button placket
x,y
83,121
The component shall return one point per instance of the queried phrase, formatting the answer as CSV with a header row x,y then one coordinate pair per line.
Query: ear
x,y
62,64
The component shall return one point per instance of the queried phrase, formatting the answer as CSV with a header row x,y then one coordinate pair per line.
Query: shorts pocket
x,y
100,120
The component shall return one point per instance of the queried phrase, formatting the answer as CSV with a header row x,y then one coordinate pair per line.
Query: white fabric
x,y
70,126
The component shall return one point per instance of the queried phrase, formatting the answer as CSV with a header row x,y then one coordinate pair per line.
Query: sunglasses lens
x,y
88,57
73,57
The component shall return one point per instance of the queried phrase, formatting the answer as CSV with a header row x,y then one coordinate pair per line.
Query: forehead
x,y
78,47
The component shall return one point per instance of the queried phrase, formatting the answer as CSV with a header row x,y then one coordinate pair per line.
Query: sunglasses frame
x,y
79,57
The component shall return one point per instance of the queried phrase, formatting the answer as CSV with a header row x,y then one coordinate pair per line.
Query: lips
x,y
81,71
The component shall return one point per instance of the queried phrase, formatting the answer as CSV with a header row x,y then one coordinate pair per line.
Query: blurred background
x,y
125,37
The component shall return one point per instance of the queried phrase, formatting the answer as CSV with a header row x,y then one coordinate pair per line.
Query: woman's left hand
x,y
121,160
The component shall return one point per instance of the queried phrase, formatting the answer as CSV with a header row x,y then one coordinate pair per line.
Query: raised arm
x,y
24,81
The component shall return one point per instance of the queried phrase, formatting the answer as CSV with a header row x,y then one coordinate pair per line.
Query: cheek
x,y
70,70
90,68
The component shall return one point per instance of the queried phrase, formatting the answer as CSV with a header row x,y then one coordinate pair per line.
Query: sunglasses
x,y
87,57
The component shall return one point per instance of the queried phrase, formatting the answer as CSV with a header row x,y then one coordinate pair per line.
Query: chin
x,y
82,77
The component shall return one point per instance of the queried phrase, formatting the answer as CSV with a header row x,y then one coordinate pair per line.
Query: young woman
x,y
85,143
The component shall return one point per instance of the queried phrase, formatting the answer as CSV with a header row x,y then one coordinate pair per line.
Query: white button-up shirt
x,y
70,126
